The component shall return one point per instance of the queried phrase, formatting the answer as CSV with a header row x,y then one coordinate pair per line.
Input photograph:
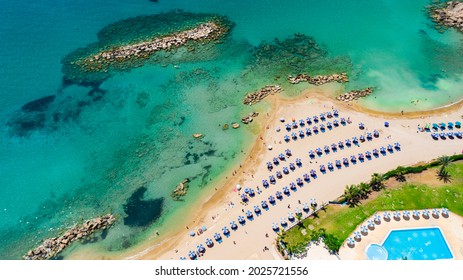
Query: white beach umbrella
x,y
238,187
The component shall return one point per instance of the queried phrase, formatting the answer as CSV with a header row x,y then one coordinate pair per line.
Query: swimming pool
x,y
417,244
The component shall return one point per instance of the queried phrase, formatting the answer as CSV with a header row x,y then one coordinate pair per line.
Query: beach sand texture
x,y
249,241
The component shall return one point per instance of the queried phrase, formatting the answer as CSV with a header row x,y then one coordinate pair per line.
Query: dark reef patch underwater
x,y
141,212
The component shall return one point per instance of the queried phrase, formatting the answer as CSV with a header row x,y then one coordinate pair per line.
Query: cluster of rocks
x,y
181,189
205,31
247,119
354,94
254,97
52,246
318,80
451,15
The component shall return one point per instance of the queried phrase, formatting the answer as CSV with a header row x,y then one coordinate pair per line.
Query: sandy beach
x,y
255,239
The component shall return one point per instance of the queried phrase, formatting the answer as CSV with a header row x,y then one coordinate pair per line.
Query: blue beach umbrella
x,y
371,224
285,190
369,136
319,151
279,175
445,211
450,134
298,162
338,163
329,125
426,212
257,209
312,173
281,156
305,207
244,197
311,154
209,242
348,143
357,235
335,123
288,127
406,214
360,156
377,218
442,135
376,133
345,161
217,236
246,190
315,129
298,211
334,147
329,114
283,222
343,121
363,229
241,220
286,138
294,124
278,194
301,122
458,134
249,214
355,140
265,183
301,133
450,124
285,170
322,115
291,166
264,204
389,147
272,179
397,145
362,138
330,166
192,255
200,248
251,192
288,152
386,124
375,152
457,124
315,118
299,182
308,120
271,199
308,132
306,177
275,227
275,161
233,225
294,135
269,166
290,216
353,158
335,113
435,212
322,127
350,241
313,202
382,150
322,168
396,214
292,185
225,231
361,126
326,148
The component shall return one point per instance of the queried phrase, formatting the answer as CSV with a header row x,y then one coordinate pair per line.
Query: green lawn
x,y
341,221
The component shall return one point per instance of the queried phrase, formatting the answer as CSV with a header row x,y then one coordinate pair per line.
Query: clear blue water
x,y
94,147
417,244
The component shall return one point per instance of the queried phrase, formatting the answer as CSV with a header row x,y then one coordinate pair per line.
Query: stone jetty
x,y
318,80
256,96
451,15
354,94
204,32
53,246
247,119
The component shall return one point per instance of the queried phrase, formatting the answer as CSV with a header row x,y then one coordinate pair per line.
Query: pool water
x,y
417,244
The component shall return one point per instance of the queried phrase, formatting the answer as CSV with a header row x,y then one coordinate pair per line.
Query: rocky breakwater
x,y
53,246
257,96
318,80
354,94
450,15
208,31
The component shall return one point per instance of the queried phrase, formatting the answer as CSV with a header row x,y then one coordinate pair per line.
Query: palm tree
x,y
444,161
400,174
444,176
377,181
299,220
364,190
351,195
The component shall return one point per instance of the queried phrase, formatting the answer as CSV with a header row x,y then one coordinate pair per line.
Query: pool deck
x,y
451,227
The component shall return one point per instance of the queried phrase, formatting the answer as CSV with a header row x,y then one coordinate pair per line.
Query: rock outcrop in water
x,y
53,246
451,15
255,97
318,80
248,119
180,190
354,94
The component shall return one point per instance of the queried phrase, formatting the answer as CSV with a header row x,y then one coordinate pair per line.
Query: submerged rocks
x,y
248,119
257,96
354,94
198,135
52,246
180,190
318,80
451,15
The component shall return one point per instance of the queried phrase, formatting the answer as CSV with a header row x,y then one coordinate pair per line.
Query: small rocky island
x,y
450,15
318,80
256,96
355,94
180,190
53,246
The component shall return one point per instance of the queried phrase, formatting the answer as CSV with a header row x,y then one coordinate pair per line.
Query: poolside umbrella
x,y
244,197
457,124
326,148
233,225
271,199
294,135
416,213
269,165
291,166
377,218
281,156
406,214
299,182
312,173
272,179
192,255
371,224
306,177
265,183
426,212
357,235
362,138
308,120
308,132
200,248
340,144
298,162
283,221
301,122
290,216
285,190
338,162
364,229
330,165
278,174
389,147
249,214
275,227
209,242
335,113
361,126
278,194
298,211
256,209
350,241
315,129
285,170
288,127
387,215
225,230
396,214
288,152
292,186
294,124
435,212
376,133
335,123
353,158
217,236
241,220
322,168
445,211
311,154
286,138
305,207
263,203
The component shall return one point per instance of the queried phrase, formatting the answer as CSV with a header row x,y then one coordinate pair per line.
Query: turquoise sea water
x,y
127,141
